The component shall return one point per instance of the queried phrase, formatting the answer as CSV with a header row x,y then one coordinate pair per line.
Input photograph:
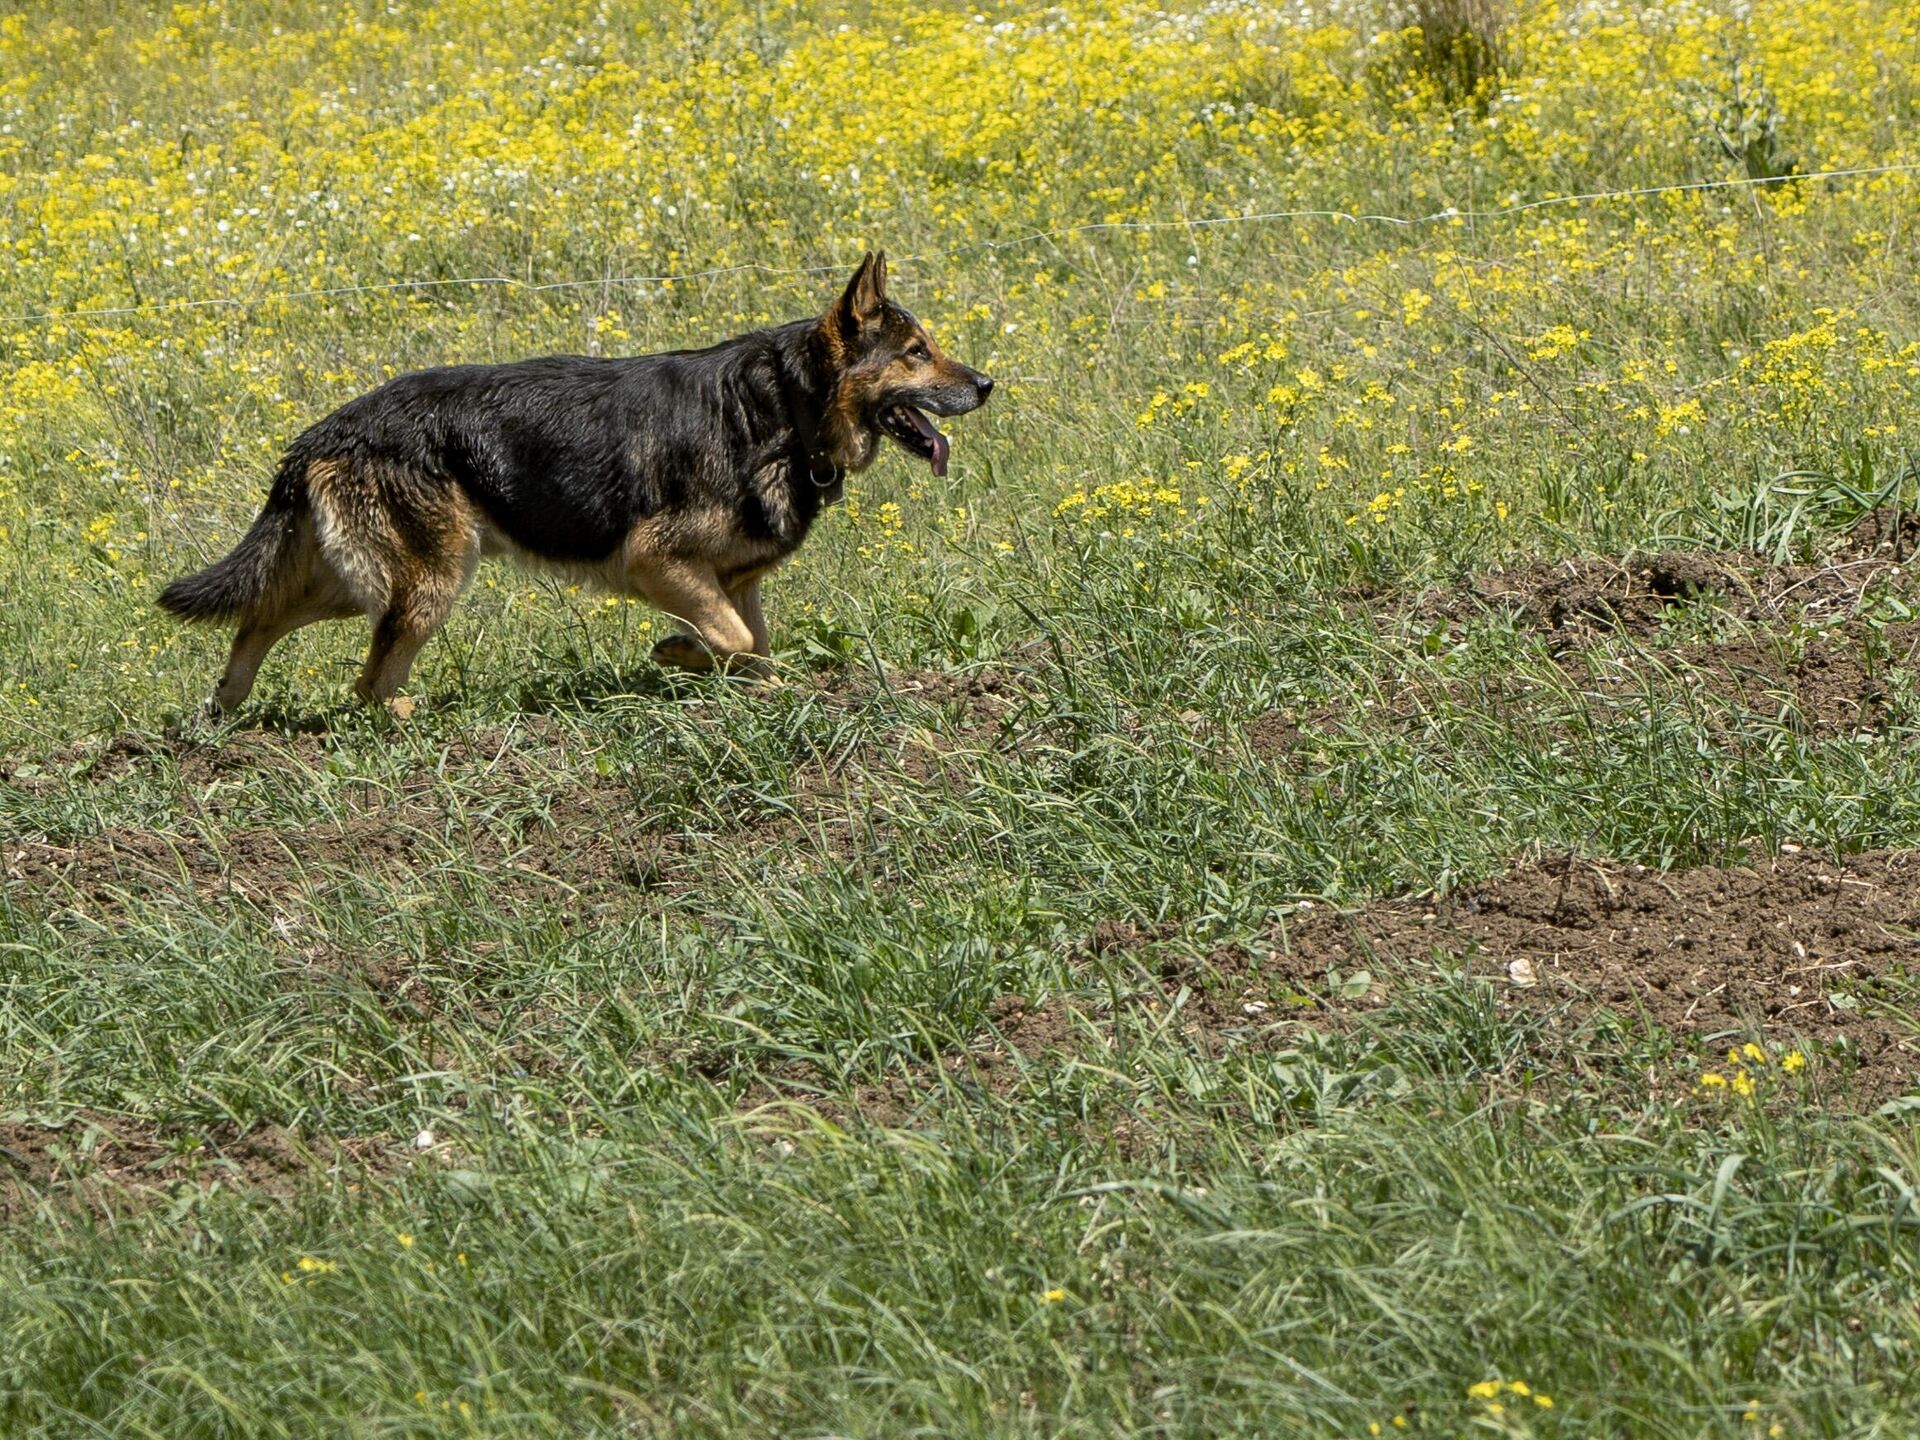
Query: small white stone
x,y
424,1140
1520,972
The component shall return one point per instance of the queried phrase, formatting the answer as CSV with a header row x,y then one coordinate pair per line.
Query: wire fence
x,y
1449,215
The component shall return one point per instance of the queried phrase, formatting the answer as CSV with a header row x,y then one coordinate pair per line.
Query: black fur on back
x,y
567,453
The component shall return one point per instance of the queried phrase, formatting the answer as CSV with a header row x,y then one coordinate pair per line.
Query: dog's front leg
x,y
746,602
714,633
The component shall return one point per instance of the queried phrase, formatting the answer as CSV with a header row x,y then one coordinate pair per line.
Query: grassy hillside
x,y
1343,872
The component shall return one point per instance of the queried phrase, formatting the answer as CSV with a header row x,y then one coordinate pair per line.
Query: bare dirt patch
x,y
197,762
515,809
984,706
1844,680
393,844
1800,947
1018,1035
1635,596
108,1162
1891,535
1276,734
1804,950
1850,679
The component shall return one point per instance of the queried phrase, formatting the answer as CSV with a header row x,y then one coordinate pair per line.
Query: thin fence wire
x,y
1447,216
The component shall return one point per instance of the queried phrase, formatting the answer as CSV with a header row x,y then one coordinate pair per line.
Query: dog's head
x,y
891,375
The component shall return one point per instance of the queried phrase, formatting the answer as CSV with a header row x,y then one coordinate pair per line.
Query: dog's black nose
x,y
984,384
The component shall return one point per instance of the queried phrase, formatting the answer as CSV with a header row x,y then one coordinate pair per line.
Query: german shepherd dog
x,y
683,477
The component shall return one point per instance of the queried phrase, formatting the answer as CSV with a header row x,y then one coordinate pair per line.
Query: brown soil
x,y
266,866
1203,1004
1844,680
1789,949
1276,734
109,1162
1839,681
1890,535
197,763
535,842
982,707
1635,596
1791,952
1017,1035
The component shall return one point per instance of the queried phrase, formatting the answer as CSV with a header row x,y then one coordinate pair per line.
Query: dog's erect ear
x,y
866,292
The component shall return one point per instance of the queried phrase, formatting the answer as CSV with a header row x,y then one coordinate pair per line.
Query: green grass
x,y
1250,1240
599,1053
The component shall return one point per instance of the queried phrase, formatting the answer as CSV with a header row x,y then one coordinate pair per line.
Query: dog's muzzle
x,y
907,423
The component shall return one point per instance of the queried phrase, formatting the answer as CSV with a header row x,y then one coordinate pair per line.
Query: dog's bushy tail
x,y
238,584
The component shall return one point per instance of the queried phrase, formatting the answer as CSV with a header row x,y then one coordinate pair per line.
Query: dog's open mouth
x,y
916,434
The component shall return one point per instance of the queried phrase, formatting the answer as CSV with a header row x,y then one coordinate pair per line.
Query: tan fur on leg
x,y
420,605
746,604
714,630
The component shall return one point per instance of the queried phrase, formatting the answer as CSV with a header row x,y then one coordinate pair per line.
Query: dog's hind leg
x,y
402,543
310,592
713,631
419,600
250,647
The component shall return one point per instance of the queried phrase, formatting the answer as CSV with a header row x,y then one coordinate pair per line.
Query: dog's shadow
x,y
572,689
208,728
281,720
551,690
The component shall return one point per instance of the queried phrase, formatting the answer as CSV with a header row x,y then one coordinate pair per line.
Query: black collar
x,y
804,415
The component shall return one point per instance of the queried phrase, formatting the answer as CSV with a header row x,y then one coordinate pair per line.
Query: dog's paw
x,y
202,723
683,652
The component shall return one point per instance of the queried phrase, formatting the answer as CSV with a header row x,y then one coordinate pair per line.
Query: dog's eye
x,y
917,351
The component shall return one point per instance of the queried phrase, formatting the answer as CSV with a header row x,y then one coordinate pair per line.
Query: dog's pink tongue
x,y
938,459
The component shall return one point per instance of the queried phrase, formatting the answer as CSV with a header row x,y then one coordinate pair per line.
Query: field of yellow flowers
x,y
1447,457
222,224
